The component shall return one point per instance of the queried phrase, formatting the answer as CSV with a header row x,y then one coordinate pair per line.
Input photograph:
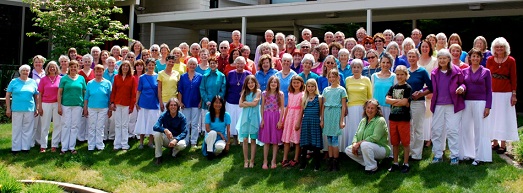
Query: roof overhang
x,y
287,15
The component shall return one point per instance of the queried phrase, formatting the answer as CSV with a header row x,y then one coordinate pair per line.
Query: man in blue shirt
x,y
170,130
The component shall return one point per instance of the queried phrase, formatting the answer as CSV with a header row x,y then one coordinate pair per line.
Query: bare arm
x,y
8,104
59,99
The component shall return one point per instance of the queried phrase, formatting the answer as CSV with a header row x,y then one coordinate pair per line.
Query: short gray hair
x,y
24,67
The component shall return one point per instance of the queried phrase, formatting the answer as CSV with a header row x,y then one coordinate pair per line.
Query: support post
x,y
153,30
131,23
244,30
369,22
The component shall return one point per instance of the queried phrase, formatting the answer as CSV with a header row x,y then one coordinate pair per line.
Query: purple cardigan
x,y
456,80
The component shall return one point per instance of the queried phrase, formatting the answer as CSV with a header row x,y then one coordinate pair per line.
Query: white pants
x,y
475,138
428,121
193,124
352,121
133,117
368,154
160,139
37,126
71,116
121,117
417,113
234,111
445,121
202,122
212,145
50,111
386,114
82,129
22,129
97,117
109,128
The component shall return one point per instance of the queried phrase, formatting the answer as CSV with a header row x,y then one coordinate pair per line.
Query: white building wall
x,y
170,35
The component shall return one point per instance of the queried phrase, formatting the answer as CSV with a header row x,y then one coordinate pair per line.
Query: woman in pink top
x,y
48,106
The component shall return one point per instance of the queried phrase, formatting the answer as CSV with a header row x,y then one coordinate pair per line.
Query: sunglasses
x,y
223,47
130,57
368,43
154,50
305,47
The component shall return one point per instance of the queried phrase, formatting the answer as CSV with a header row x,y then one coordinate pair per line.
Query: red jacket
x,y
124,91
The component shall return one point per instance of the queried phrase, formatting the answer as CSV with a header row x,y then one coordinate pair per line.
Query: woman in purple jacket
x,y
447,105
475,138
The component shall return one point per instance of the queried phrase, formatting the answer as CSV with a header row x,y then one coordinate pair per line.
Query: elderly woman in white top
x,y
23,109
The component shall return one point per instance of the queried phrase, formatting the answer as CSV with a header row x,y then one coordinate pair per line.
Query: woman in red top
x,y
123,99
502,119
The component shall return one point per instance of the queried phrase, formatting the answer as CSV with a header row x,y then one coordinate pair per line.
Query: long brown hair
x,y
245,89
125,62
297,78
277,93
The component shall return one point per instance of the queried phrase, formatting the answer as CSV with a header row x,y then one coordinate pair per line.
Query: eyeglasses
x,y
223,47
306,47
377,41
154,50
368,43
371,57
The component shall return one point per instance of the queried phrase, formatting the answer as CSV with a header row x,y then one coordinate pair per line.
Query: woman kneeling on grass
x,y
371,139
218,126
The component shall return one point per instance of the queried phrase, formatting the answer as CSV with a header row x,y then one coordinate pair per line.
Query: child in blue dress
x,y
249,121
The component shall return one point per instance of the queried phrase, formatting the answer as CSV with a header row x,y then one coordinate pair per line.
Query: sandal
x,y
246,164
495,147
285,163
53,149
251,164
62,152
42,150
265,167
501,150
274,165
74,152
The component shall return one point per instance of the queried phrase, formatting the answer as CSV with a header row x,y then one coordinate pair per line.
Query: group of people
x,y
364,96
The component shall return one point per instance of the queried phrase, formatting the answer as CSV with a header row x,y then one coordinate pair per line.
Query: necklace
x,y
238,79
52,80
500,61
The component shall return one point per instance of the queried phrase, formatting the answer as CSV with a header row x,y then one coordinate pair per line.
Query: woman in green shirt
x,y
371,139
71,97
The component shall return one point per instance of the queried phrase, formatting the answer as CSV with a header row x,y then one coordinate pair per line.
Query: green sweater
x,y
375,132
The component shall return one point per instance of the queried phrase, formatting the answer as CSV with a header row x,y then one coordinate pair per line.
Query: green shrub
x,y
3,117
43,188
8,183
518,148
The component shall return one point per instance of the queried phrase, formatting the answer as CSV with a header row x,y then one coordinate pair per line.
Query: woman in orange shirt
x,y
123,99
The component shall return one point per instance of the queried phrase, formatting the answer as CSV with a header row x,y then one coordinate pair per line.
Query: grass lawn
x,y
135,171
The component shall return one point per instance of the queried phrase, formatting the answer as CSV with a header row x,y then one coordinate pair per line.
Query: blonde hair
x,y
306,94
403,68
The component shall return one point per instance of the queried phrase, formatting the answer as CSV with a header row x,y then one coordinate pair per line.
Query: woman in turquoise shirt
x,y
217,125
96,107
24,91
213,83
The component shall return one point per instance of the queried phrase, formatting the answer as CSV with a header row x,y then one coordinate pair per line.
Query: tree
x,y
81,24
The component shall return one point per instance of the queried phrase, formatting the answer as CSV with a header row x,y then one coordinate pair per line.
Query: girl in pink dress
x,y
292,113
272,120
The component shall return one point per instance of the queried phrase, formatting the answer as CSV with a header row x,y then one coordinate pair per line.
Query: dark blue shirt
x,y
418,79
176,125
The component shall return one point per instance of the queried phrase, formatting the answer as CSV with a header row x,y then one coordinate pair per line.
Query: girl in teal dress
x,y
335,104
249,120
